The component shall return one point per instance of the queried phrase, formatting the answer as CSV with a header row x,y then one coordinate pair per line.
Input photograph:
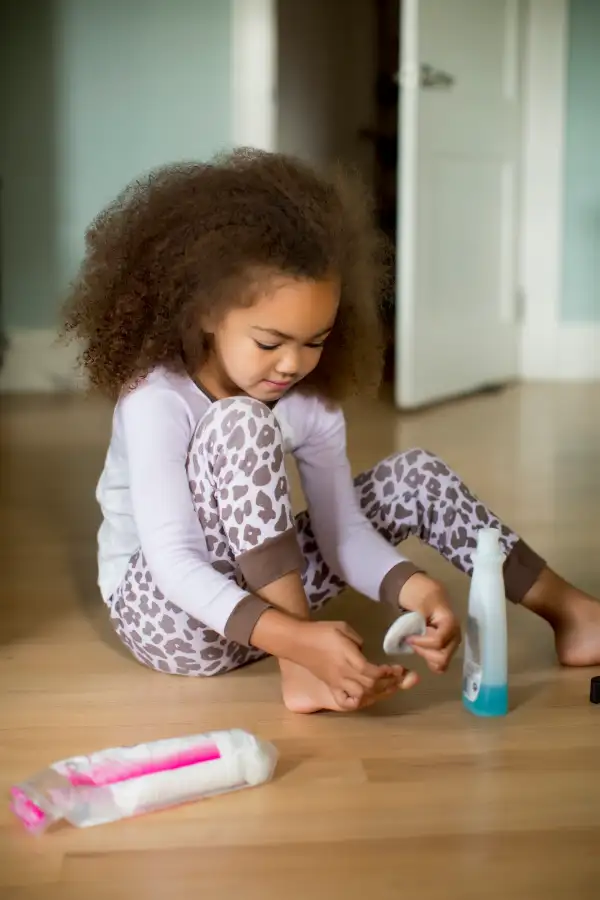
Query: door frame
x,y
254,73
549,349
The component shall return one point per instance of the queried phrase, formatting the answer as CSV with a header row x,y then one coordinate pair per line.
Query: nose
x,y
288,363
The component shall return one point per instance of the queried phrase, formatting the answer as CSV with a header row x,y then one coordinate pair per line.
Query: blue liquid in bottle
x,y
491,700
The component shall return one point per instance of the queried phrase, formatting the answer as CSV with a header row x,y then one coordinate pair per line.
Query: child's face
x,y
266,348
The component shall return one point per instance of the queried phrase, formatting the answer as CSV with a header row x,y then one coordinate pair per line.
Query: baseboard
x,y
34,362
561,352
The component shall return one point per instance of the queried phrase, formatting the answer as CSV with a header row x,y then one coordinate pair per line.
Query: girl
x,y
227,308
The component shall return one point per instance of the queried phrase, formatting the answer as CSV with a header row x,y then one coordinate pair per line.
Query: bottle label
x,y
471,682
472,662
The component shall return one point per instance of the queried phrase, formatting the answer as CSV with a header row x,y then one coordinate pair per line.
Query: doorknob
x,y
429,77
435,78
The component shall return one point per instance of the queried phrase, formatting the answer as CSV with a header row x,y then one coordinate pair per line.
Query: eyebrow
x,y
288,337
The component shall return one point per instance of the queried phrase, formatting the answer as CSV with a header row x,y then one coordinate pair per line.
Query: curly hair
x,y
188,240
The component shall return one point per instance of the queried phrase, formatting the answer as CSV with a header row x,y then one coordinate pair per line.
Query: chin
x,y
267,392
258,392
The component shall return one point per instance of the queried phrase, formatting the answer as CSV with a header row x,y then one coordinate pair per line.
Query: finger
x,y
393,680
382,685
409,680
399,671
370,682
429,641
453,646
362,667
366,682
437,660
349,632
437,636
367,674
406,678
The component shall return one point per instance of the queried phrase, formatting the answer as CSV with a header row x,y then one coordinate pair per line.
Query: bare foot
x,y
574,616
577,636
303,692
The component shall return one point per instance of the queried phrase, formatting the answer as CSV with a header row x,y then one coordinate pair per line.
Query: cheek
x,y
246,356
239,351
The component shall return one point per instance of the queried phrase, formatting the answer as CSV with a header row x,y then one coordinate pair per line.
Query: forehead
x,y
295,306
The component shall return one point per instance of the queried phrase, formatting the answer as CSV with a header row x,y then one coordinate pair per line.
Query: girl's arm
x,y
347,539
157,433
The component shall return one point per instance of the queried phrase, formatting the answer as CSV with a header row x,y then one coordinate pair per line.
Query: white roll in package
x,y
121,782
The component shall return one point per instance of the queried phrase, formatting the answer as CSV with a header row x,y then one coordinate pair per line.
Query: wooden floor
x,y
413,800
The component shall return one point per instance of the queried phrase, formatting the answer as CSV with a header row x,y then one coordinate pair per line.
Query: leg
x,y
261,534
162,636
416,493
239,490
240,493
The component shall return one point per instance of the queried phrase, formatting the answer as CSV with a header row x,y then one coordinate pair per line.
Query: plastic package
x,y
127,781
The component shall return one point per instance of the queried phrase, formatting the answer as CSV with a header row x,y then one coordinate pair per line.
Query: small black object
x,y
595,689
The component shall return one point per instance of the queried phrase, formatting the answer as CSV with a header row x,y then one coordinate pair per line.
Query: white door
x,y
458,197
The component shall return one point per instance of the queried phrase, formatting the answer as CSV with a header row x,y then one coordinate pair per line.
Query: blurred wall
x,y
93,93
28,203
581,293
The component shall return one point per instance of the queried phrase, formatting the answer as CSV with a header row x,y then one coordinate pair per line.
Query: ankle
x,y
287,669
549,597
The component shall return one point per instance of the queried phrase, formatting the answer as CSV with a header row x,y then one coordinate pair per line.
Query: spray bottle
x,y
485,667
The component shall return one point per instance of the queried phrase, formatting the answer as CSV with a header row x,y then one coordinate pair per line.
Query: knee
x,y
243,405
240,434
239,422
414,464
415,456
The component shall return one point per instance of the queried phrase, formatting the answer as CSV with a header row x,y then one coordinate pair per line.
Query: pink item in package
x,y
128,781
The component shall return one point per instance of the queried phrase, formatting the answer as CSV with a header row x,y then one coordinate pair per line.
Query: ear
x,y
208,324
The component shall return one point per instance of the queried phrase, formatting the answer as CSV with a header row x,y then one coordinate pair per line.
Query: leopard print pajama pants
x,y
241,498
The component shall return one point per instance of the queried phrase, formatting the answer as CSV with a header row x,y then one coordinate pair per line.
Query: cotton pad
x,y
120,782
411,623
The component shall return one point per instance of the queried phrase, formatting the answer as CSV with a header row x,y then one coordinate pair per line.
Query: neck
x,y
215,382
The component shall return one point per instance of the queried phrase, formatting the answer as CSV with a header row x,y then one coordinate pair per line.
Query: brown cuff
x,y
274,558
243,619
394,581
522,568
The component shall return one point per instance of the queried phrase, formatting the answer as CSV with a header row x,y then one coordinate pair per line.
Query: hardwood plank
x,y
413,799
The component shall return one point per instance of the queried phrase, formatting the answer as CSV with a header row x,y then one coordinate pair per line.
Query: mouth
x,y
278,385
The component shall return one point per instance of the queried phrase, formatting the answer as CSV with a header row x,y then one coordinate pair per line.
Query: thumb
x,y
349,632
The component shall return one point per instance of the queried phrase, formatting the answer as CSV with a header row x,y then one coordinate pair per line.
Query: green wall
x,y
94,93
28,201
581,293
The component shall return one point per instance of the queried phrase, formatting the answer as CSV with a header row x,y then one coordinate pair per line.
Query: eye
x,y
266,346
318,346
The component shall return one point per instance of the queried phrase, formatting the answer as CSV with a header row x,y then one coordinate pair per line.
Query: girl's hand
x,y
427,596
331,651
